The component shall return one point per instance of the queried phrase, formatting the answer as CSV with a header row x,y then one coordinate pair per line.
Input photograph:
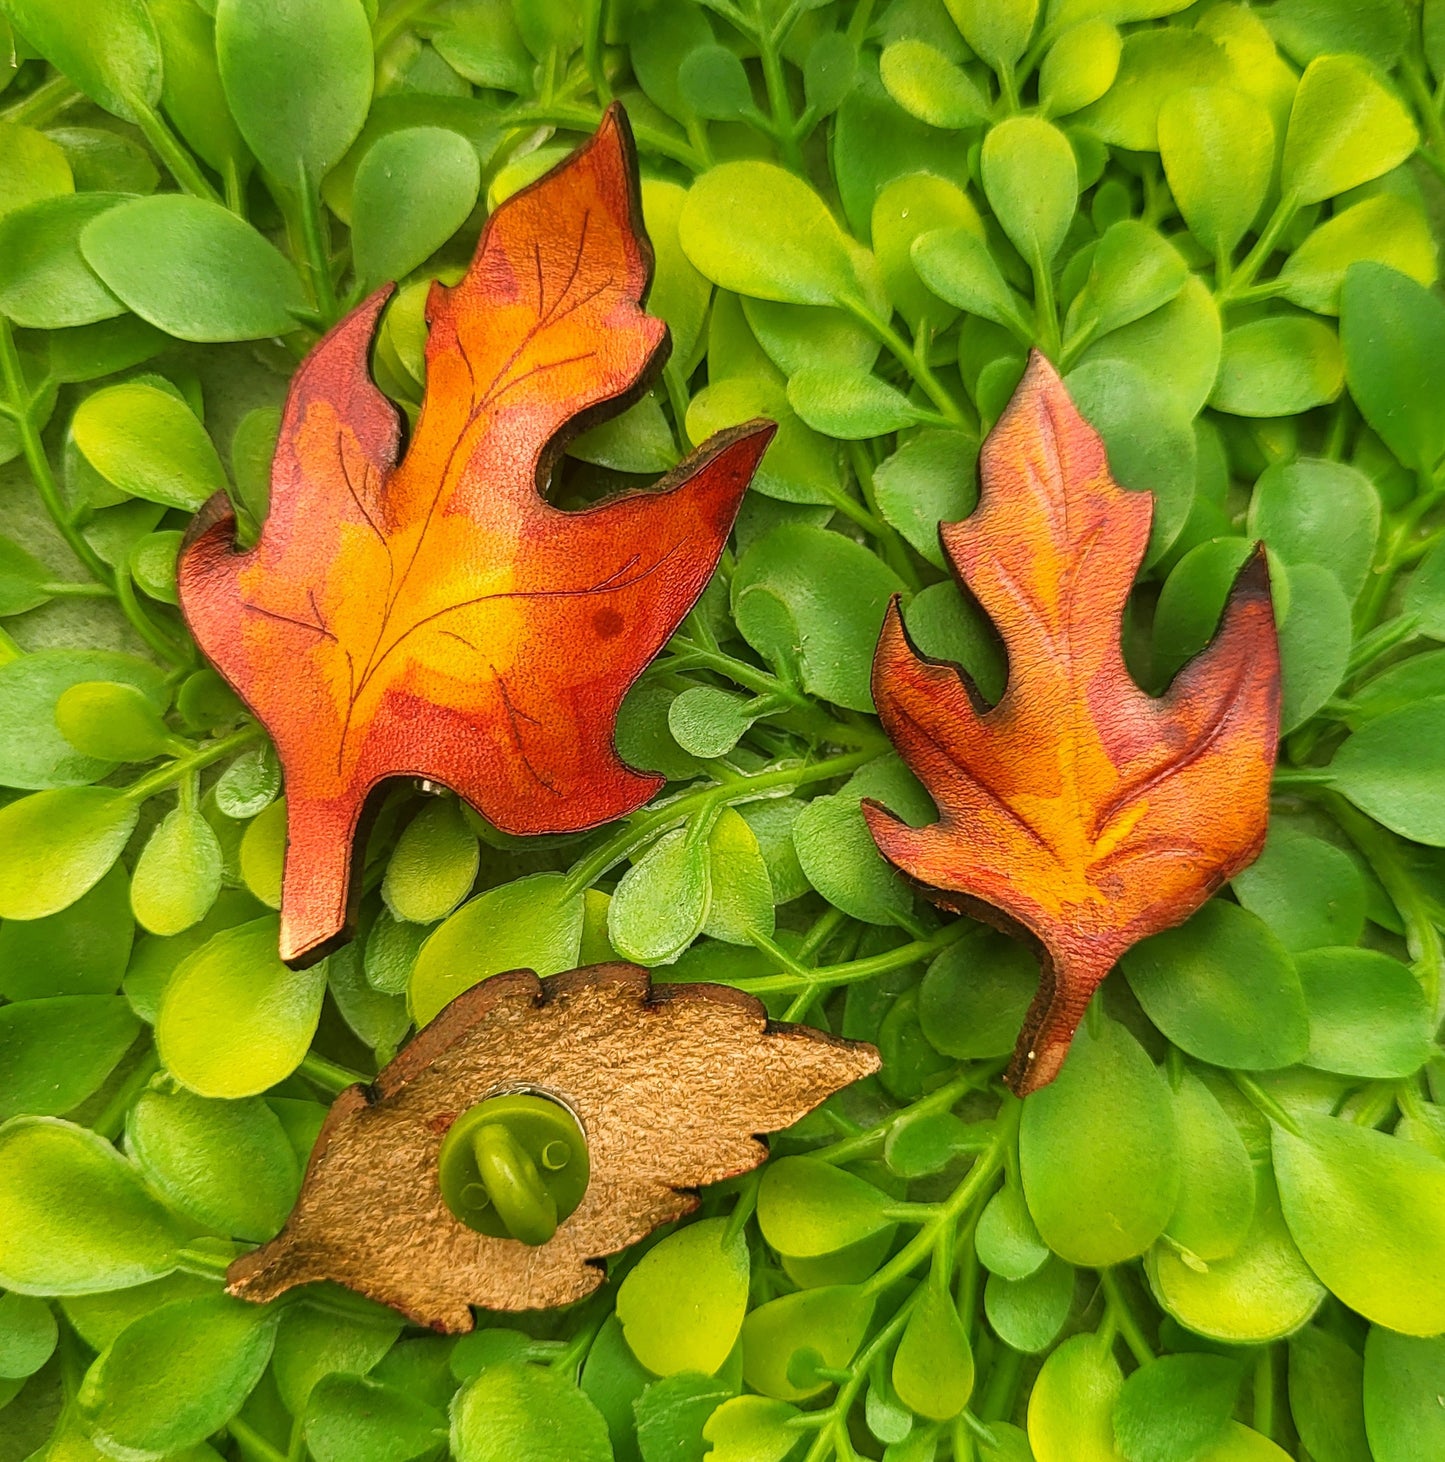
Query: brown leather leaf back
x,y
1079,809
669,1083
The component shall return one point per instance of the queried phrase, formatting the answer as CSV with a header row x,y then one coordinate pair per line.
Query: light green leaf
x,y
193,269
1344,130
76,1217
533,923
682,1306
234,1020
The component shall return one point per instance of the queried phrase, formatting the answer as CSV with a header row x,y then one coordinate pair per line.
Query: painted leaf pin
x,y
669,1083
1079,810
438,618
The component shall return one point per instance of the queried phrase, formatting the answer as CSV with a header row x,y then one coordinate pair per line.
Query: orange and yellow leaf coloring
x,y
1079,809
438,617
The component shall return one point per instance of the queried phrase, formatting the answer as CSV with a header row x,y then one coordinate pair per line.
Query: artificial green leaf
x,y
1079,67
1217,147
927,85
781,242
517,1410
176,1375
414,189
740,906
973,998
56,1052
807,593
1392,768
298,80
807,1207
227,1165
1222,988
1098,1150
234,1020
1368,1213
661,903
786,1339
933,1365
1403,1377
1278,365
1216,1202
110,50
1385,230
178,874
1326,1382
351,1419
1072,1403
434,864
1263,1291
82,950
682,1307
1176,1408
1368,1014
1344,129
534,923
77,1218
193,269
1032,183
57,845
1028,1313
47,284
1393,332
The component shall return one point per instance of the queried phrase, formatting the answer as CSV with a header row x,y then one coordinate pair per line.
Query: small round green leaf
x,y
682,1307
193,268
234,1020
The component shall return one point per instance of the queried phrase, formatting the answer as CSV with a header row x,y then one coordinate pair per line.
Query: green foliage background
x,y
1220,1236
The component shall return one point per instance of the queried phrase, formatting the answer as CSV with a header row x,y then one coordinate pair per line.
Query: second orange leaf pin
x,y
1079,809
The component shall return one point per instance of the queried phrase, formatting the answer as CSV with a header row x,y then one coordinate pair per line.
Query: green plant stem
x,y
172,152
1264,246
987,1166
785,127
252,1440
1124,1317
642,828
44,103
318,253
1425,106
913,363
895,550
580,118
111,1119
198,760
395,19
22,410
330,1075
832,1439
689,653
854,971
1264,1384
1263,1102
9,649
1422,932
1380,641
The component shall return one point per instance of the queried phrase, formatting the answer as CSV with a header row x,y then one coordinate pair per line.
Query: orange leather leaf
x,y
1078,810
439,618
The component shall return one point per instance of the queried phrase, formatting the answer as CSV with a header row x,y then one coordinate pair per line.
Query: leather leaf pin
x,y
437,617
1079,810
668,1082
